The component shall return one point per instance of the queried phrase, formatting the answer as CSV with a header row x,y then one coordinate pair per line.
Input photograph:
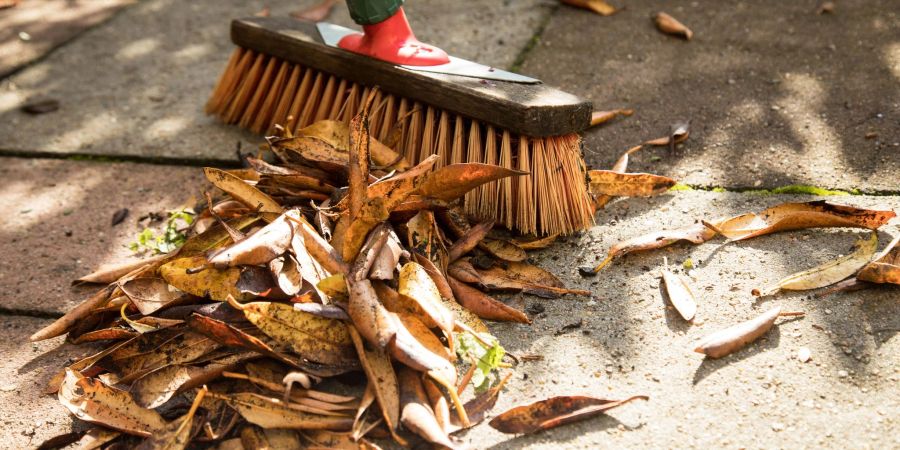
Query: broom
x,y
282,73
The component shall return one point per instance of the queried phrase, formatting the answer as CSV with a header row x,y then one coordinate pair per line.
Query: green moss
x,y
719,189
809,190
681,187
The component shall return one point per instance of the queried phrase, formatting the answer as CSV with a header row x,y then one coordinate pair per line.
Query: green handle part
x,y
370,12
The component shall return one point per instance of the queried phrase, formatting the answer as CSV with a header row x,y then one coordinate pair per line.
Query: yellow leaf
x,y
207,282
92,401
241,191
316,338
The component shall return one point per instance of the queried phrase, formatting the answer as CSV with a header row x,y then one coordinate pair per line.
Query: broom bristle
x,y
257,92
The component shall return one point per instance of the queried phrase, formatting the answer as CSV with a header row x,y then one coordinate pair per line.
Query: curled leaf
x,y
696,233
261,247
832,271
680,294
255,199
416,414
730,340
669,25
485,306
597,6
176,434
92,401
553,412
886,266
601,117
796,216
455,180
608,182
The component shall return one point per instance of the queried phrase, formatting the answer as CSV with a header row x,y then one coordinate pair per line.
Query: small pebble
x,y
778,426
804,354
842,374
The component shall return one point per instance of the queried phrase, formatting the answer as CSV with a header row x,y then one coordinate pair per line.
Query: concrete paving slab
x,y
30,416
57,223
136,86
625,340
778,94
34,27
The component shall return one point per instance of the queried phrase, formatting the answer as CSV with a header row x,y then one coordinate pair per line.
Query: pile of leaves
x,y
329,298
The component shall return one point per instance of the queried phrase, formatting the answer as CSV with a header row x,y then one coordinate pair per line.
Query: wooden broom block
x,y
526,109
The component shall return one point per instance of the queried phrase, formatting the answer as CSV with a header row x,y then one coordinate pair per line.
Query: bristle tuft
x,y
257,92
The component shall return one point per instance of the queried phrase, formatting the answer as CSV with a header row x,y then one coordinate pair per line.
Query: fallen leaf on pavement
x,y
149,294
317,12
885,268
730,340
597,6
553,412
669,25
608,182
696,233
678,133
830,272
796,216
241,191
601,117
207,282
680,294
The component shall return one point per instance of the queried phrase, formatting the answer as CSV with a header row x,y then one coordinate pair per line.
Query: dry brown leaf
x,y
387,259
796,216
453,181
241,191
553,412
377,365
620,166
536,243
830,272
885,267
669,25
680,294
416,414
94,402
468,241
678,133
109,273
149,294
485,306
337,134
601,117
417,285
316,338
696,233
503,249
230,336
369,316
261,247
64,323
269,412
317,12
520,276
177,434
608,182
207,282
730,340
597,6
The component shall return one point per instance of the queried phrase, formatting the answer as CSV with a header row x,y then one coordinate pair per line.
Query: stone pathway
x,y
772,104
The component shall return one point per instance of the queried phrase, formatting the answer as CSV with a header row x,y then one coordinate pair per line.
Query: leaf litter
x,y
250,284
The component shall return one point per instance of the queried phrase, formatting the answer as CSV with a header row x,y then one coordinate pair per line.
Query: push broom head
x,y
283,74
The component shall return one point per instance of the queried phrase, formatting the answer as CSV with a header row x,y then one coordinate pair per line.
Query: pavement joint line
x,y
230,164
13,312
100,158
533,41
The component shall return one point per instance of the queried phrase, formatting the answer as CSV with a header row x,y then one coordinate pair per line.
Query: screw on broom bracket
x,y
331,34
